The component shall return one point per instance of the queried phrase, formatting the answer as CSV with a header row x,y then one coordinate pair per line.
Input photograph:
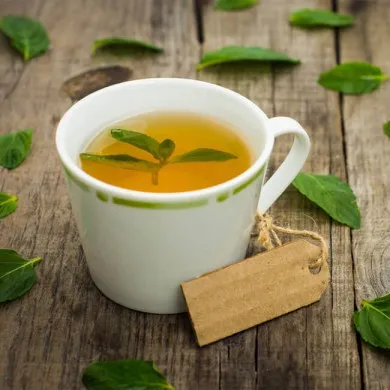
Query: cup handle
x,y
292,164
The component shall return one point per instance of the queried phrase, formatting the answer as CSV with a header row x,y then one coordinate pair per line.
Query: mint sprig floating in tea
x,y
311,18
353,78
14,147
331,194
386,128
373,321
8,204
234,5
160,151
17,275
231,54
124,45
124,374
27,36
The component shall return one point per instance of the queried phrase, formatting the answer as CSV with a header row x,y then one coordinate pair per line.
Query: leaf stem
x,y
35,260
155,177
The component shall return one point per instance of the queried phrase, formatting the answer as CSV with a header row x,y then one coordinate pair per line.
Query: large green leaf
x,y
124,375
8,204
123,161
353,78
233,5
386,128
231,54
26,35
17,275
332,195
166,148
14,147
202,155
309,18
128,45
373,322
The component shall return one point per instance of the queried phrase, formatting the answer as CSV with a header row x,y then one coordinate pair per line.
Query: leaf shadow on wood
x,y
245,68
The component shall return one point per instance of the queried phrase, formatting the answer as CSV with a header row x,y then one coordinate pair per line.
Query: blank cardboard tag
x,y
239,296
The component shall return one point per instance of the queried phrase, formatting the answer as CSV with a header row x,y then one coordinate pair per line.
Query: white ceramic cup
x,y
140,246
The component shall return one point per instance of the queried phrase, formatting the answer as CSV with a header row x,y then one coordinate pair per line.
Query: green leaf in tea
x,y
202,155
124,375
139,140
386,128
124,44
8,204
373,322
17,275
231,54
309,18
353,78
234,5
166,148
14,148
26,35
332,195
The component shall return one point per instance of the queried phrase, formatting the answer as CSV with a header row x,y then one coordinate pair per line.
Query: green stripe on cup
x,y
248,182
158,205
102,196
223,197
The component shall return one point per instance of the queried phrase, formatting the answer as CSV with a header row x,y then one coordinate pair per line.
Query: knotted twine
x,y
268,238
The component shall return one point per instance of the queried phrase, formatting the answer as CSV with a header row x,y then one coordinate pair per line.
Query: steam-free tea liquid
x,y
189,132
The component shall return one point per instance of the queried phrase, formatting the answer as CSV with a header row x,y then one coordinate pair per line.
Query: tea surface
x,y
189,132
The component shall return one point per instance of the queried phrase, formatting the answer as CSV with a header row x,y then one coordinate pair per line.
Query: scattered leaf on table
x,y
332,195
386,128
233,5
123,161
26,35
353,78
373,322
125,375
92,80
231,54
125,44
8,204
203,155
14,147
309,18
17,275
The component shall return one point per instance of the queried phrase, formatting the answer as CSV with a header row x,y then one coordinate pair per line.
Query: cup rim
x,y
166,197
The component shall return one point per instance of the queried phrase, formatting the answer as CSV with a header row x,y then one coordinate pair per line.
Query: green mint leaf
x,y
124,375
309,18
26,35
386,128
373,322
166,148
230,54
8,204
352,78
14,147
202,155
233,5
123,161
139,140
17,275
332,195
127,45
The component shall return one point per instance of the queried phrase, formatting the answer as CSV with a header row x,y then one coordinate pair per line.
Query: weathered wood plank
x,y
368,156
314,347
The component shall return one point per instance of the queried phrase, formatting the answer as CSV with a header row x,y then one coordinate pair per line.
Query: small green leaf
x,y
309,18
8,204
353,78
233,5
166,148
231,54
126,44
373,322
139,140
123,161
17,275
26,35
14,147
332,195
124,375
386,128
203,155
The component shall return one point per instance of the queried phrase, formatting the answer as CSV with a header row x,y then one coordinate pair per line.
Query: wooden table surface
x,y
64,323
